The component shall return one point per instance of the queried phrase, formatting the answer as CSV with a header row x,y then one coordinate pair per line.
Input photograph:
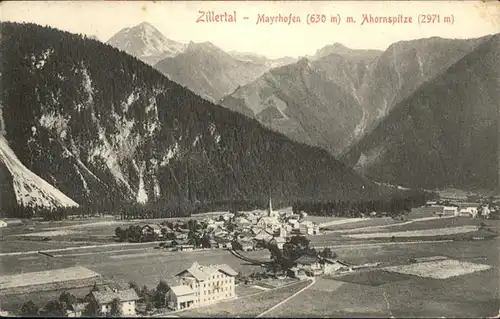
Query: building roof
x,y
203,272
152,226
105,297
269,219
334,261
222,240
182,290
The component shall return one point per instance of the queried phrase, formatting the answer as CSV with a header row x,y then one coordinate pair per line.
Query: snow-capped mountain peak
x,y
146,42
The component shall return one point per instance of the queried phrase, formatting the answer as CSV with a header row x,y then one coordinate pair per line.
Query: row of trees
x,y
393,206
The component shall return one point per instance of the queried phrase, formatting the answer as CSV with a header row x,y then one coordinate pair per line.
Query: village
x,y
240,230
280,244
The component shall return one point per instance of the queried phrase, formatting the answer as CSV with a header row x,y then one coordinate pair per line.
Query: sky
x,y
177,21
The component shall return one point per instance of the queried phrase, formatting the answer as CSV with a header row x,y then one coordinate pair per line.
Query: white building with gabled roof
x,y
202,285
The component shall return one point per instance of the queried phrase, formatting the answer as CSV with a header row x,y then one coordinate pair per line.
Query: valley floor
x,y
376,292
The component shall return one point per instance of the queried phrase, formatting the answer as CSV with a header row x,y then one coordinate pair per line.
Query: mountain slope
x,y
445,133
146,43
211,72
104,128
301,102
30,189
365,85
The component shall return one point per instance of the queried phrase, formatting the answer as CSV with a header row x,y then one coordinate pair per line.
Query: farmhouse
x,y
150,229
316,266
202,285
186,247
310,264
76,310
247,245
127,299
223,243
468,211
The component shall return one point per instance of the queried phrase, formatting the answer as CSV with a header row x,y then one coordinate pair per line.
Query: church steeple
x,y
270,208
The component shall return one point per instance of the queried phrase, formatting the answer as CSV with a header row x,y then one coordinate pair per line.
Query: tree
x,y
194,238
54,308
164,232
205,241
120,234
133,285
145,293
116,309
159,296
67,299
91,309
29,309
236,245
301,241
170,236
328,253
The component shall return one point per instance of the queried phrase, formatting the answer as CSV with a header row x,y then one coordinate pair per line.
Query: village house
x,y
127,299
485,212
468,210
294,224
76,310
242,221
202,285
223,243
282,232
247,245
186,247
310,264
316,266
268,223
151,229
11,222
181,236
309,228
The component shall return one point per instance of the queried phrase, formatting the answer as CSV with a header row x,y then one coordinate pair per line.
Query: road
x,y
313,281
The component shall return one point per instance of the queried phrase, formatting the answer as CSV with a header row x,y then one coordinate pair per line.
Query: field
x,y
45,277
365,222
249,306
440,269
417,233
398,291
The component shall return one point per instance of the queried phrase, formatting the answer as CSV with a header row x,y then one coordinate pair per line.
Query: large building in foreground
x,y
202,285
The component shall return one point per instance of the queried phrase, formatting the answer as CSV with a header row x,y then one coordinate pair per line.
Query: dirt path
x,y
313,281
31,252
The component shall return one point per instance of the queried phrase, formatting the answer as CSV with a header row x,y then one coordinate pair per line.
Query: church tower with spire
x,y
270,208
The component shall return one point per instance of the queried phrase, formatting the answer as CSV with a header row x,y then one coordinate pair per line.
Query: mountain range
x,y
146,43
83,123
335,97
445,133
203,68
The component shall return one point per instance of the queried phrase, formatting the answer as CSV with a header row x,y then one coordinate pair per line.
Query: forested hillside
x,y
106,129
